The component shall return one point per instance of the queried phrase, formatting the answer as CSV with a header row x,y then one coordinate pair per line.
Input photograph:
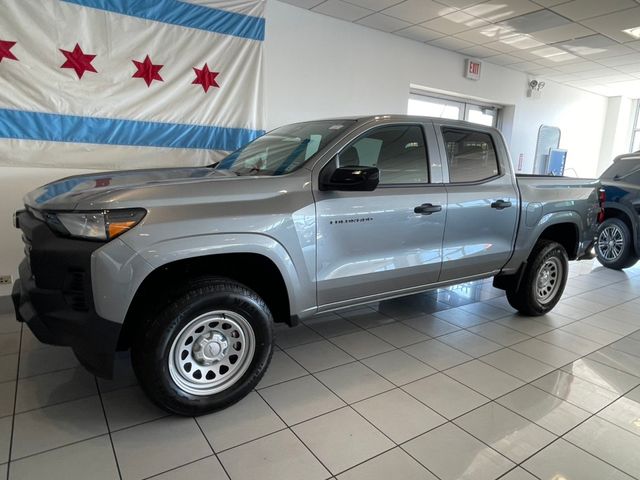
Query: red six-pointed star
x,y
147,71
5,50
78,60
205,77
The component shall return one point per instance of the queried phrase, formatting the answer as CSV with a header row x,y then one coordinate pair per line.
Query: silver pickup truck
x,y
190,267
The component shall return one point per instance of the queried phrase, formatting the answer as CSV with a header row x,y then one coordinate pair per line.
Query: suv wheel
x,y
614,246
543,281
206,350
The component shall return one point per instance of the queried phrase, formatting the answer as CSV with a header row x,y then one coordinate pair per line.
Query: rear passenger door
x,y
390,239
483,202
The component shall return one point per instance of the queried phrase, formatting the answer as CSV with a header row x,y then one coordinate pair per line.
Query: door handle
x,y
500,204
427,209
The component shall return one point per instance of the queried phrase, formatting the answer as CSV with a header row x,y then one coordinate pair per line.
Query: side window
x,y
471,155
398,151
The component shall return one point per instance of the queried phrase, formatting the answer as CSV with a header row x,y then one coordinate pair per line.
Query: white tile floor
x,y
445,385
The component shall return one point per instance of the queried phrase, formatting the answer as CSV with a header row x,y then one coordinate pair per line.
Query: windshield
x,y
284,149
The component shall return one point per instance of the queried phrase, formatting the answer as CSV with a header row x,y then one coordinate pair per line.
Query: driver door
x,y
372,244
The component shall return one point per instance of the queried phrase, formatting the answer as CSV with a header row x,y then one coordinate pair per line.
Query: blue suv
x,y
618,243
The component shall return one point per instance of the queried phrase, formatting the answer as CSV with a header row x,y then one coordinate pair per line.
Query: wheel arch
x,y
566,234
564,230
616,210
257,271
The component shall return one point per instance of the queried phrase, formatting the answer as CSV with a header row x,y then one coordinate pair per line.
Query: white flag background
x,y
110,83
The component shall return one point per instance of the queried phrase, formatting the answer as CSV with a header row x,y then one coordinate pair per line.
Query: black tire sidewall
x,y
550,250
626,258
153,366
523,296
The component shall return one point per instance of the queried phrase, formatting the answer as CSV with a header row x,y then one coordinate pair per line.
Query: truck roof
x,y
400,118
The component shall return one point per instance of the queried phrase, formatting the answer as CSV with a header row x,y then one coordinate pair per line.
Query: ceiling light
x,y
521,41
634,32
496,31
554,54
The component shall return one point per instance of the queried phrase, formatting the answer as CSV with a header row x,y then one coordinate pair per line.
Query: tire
x,y
532,298
614,246
212,321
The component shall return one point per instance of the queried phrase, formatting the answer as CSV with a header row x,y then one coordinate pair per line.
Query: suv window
x,y
471,155
398,151
622,169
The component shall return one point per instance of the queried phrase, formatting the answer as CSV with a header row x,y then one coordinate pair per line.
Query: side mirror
x,y
353,178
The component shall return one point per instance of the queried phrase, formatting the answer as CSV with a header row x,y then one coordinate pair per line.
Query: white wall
x,y
616,137
317,66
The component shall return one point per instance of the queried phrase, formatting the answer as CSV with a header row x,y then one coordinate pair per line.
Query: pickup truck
x,y
189,268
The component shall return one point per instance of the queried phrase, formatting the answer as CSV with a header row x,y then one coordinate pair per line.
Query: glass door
x,y
435,107
429,106
483,115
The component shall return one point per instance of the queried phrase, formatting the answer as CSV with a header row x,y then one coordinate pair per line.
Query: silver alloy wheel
x,y
548,280
211,352
610,242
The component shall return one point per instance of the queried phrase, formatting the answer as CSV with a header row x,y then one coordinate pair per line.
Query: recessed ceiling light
x,y
634,32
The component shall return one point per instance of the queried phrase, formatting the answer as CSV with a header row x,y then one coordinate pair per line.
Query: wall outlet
x,y
6,279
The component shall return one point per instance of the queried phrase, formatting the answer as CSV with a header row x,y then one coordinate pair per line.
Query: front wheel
x,y
615,245
543,281
206,350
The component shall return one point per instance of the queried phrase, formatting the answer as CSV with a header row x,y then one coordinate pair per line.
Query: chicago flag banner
x,y
115,84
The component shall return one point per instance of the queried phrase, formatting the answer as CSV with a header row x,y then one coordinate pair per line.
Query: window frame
x,y
500,173
635,130
367,133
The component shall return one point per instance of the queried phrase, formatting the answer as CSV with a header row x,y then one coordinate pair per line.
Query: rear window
x,y
470,154
622,168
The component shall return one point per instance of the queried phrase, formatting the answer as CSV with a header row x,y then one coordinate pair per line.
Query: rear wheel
x,y
206,350
543,281
615,246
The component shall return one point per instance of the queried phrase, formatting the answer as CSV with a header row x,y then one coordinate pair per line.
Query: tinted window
x,y
284,149
621,169
398,151
471,155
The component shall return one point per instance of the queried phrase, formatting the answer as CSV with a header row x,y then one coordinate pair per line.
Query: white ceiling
x,y
580,43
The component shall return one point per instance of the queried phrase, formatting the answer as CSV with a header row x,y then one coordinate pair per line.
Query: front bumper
x,y
53,296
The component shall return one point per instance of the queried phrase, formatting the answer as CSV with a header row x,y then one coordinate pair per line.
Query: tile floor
x,y
444,385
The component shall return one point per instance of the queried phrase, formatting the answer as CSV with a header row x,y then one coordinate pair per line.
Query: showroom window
x,y
635,137
453,109
398,151
471,155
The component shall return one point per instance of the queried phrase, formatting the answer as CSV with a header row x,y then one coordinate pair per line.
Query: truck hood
x,y
68,193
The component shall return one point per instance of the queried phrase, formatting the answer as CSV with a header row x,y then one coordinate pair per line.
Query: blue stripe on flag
x,y
75,129
185,15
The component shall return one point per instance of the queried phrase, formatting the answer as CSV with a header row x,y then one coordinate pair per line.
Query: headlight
x,y
103,225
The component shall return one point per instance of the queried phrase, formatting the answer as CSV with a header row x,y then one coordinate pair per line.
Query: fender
x,y
528,236
118,271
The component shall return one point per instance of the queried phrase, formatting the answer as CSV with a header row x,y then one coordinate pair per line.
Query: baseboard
x,y
5,304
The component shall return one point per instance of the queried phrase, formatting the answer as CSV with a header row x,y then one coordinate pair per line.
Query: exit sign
x,y
472,70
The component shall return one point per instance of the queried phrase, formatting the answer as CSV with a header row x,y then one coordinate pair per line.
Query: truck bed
x,y
550,189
